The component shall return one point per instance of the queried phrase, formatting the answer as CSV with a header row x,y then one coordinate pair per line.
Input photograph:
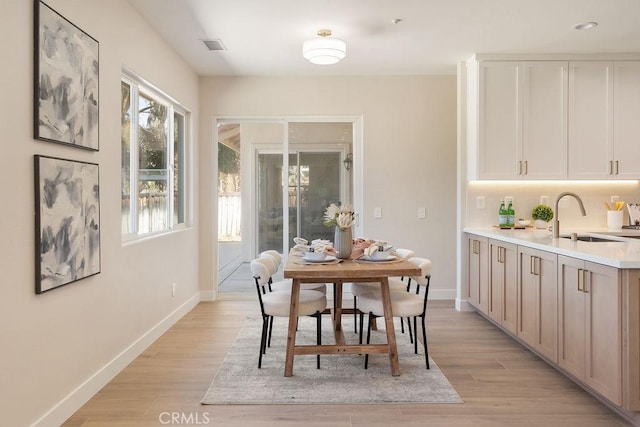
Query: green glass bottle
x,y
502,215
511,215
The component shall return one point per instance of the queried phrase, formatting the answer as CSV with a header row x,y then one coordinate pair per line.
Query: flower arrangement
x,y
542,212
342,217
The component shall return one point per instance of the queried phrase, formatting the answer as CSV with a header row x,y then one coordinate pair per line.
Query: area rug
x,y
341,379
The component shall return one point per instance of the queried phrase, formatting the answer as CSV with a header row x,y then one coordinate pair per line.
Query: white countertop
x,y
621,254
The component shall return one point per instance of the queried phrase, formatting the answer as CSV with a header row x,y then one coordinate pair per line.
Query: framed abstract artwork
x,y
67,212
66,71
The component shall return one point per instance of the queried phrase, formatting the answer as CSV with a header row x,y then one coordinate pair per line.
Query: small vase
x,y
343,242
540,223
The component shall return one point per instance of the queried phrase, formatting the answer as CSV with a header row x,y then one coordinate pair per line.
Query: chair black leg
x,y
263,340
319,335
402,325
410,330
355,315
415,328
372,318
424,339
270,331
361,326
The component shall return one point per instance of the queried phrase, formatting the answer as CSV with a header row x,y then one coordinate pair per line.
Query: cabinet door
x,y
528,285
500,110
590,133
547,305
478,267
538,301
571,312
604,329
626,119
510,287
496,279
544,124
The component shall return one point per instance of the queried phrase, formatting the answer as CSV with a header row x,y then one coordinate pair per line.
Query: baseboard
x,y
85,391
439,294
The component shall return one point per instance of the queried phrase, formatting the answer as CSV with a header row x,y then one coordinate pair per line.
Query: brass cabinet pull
x,y
610,167
616,167
580,280
585,281
532,269
519,167
536,266
526,167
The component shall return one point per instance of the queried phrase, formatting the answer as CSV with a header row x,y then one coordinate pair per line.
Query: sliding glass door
x,y
265,198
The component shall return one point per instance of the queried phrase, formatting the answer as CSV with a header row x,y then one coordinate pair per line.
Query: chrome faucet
x,y
556,221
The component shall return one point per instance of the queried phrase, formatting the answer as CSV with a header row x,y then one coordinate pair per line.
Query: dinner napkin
x,y
300,241
371,250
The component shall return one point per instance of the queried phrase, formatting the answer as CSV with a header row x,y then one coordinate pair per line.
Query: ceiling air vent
x,y
214,44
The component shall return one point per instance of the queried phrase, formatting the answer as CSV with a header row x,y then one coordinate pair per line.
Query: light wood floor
x,y
501,382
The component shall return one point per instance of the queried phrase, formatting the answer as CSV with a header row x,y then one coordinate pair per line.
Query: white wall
x,y
409,153
53,346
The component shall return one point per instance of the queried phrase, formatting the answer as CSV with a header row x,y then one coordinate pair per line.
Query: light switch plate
x,y
480,202
508,199
422,213
377,213
544,200
615,199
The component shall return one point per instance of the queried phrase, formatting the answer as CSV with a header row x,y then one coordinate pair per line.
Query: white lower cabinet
x,y
502,284
590,325
538,301
478,259
581,316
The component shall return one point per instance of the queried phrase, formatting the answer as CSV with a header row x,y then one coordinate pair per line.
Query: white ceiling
x,y
264,37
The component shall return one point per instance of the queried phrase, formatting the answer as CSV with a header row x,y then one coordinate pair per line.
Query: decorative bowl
x,y
524,222
315,256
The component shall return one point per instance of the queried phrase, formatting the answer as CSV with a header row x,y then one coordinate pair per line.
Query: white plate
x,y
329,258
388,258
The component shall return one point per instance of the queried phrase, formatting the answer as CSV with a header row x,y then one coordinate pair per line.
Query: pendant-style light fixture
x,y
324,50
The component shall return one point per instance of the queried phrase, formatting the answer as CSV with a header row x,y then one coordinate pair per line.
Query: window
x,y
154,130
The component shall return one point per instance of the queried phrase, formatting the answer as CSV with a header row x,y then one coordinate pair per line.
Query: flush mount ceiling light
x,y
324,50
585,26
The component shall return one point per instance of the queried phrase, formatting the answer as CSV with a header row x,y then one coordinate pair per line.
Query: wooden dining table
x,y
339,272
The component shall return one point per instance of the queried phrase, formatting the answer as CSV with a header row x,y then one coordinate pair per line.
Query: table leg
x,y
337,297
291,334
388,323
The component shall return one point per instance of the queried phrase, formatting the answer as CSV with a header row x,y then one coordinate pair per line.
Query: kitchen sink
x,y
587,238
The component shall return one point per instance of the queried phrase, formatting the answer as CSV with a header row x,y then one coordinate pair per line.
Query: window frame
x,y
138,86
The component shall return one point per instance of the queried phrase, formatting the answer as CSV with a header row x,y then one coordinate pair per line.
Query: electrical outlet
x,y
173,289
507,200
615,199
377,213
480,202
544,200
422,213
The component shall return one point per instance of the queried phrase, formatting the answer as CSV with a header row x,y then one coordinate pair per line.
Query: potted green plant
x,y
541,215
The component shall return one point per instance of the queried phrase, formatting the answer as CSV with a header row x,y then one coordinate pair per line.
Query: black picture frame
x,y
66,81
67,221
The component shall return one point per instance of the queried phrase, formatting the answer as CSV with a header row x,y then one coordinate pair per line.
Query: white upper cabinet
x,y
591,120
544,124
500,120
553,118
519,113
626,119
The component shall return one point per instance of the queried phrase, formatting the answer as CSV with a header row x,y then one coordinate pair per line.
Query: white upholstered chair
x,y
277,304
403,304
396,283
285,285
